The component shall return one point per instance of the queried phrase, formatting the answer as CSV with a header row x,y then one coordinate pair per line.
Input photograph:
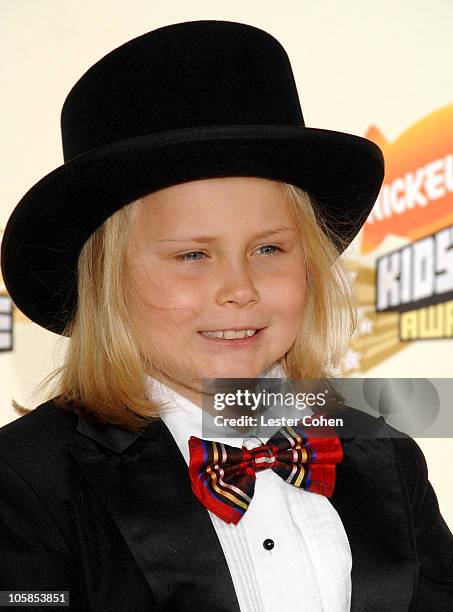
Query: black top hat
x,y
186,101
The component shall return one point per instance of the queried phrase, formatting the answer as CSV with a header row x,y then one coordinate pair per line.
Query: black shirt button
x,y
268,544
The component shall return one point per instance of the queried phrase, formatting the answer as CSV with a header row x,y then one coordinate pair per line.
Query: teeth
x,y
230,335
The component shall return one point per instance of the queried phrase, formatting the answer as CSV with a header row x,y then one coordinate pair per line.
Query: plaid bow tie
x,y
223,476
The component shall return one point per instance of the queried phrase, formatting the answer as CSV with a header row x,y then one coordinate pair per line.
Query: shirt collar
x,y
184,418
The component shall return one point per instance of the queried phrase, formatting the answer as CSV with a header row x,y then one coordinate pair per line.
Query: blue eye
x,y
185,256
271,246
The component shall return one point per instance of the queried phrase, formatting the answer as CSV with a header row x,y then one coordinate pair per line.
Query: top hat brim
x,y
47,229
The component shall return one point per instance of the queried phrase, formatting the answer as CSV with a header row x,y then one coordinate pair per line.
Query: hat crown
x,y
184,75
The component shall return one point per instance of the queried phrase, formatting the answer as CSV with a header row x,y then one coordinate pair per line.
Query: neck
x,y
196,395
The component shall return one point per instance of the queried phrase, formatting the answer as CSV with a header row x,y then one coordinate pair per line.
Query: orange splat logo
x,y
416,197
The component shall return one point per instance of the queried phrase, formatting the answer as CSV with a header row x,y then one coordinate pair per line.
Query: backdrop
x,y
377,70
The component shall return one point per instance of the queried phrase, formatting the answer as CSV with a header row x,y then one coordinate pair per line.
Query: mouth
x,y
230,338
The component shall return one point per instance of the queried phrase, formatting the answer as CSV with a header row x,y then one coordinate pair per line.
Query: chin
x,y
234,371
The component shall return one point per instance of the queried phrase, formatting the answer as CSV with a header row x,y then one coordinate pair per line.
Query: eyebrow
x,y
270,232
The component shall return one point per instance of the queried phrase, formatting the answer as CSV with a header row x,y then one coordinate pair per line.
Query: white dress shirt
x,y
309,565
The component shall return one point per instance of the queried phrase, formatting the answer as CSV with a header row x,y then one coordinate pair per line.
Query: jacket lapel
x,y
374,508
173,540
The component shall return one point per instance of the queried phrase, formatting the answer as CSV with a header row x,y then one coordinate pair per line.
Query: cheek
x,y
163,300
286,294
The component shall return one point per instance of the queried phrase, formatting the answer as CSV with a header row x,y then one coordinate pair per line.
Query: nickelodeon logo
x,y
418,188
416,198
417,282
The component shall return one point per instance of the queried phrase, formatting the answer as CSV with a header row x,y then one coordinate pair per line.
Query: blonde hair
x,y
102,377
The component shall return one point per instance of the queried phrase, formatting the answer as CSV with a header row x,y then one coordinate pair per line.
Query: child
x,y
194,200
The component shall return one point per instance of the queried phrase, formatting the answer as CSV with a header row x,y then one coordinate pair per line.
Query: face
x,y
215,254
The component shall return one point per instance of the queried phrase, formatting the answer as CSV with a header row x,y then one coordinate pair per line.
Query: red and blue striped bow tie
x,y
223,476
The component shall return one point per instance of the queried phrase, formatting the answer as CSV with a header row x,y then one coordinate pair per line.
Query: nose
x,y
236,285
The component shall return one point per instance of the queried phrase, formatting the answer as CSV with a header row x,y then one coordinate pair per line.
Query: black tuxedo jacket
x,y
110,516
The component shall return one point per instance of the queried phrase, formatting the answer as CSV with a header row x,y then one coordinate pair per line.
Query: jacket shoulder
x,y
46,424
34,444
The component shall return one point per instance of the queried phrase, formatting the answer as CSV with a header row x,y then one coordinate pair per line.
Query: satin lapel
x,y
143,482
372,505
